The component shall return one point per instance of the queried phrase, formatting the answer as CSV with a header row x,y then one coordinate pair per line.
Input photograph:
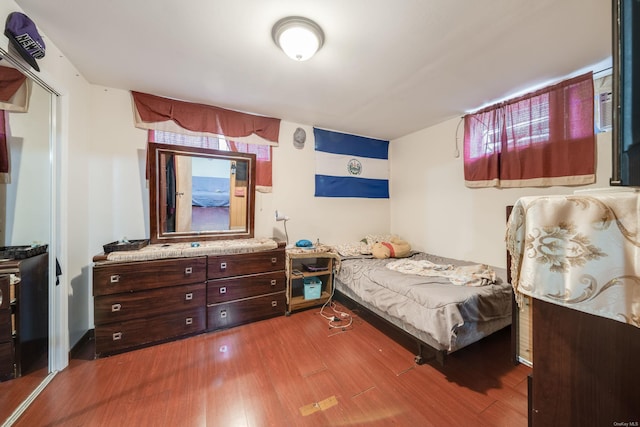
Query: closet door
x,y
27,215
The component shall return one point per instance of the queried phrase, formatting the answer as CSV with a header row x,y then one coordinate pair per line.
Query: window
x,y
540,139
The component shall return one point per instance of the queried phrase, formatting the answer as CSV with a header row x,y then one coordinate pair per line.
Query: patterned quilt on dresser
x,y
579,251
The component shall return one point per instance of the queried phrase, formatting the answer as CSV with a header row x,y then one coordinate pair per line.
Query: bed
x,y
209,191
425,311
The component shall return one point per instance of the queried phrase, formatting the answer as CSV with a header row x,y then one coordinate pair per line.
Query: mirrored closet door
x,y
27,249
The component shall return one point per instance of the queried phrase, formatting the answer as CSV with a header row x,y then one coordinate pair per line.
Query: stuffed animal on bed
x,y
395,248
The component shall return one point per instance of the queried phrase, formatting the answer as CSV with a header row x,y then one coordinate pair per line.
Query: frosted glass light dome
x,y
300,38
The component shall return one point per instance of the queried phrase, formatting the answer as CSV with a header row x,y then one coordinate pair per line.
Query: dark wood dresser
x,y
24,315
140,303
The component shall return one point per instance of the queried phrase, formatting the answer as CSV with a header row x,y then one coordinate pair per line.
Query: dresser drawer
x,y
134,276
124,335
240,264
223,290
7,360
133,305
6,328
5,292
230,314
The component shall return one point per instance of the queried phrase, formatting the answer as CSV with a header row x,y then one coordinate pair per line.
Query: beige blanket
x,y
467,275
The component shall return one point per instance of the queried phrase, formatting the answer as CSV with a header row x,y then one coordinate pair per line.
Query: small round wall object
x,y
299,136
195,244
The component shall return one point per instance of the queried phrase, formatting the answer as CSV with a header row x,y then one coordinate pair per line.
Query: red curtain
x,y
4,154
540,139
203,118
10,81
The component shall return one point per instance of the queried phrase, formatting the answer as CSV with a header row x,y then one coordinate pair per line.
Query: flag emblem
x,y
355,167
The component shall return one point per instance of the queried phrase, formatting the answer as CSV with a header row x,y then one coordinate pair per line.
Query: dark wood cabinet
x,y
585,369
24,315
140,303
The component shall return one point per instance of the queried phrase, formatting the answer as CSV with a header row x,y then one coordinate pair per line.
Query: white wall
x,y
436,213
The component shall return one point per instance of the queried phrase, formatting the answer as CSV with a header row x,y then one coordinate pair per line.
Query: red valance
x,y
15,90
203,118
10,81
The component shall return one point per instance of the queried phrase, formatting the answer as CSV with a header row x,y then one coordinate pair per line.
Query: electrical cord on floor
x,y
339,319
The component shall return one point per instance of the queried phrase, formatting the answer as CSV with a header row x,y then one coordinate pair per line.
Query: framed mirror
x,y
198,194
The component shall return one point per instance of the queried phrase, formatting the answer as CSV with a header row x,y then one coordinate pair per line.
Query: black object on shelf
x,y
22,252
315,267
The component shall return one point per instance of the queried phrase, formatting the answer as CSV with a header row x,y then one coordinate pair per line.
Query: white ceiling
x,y
387,68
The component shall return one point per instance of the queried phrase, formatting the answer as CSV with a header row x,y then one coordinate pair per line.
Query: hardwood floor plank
x,y
501,415
383,406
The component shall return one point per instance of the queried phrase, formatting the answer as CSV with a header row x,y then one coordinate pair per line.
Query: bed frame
x,y
423,352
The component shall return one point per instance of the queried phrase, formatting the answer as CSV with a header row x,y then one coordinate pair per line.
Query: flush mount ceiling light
x,y
300,38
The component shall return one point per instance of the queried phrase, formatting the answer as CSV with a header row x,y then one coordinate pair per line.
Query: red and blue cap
x,y
24,36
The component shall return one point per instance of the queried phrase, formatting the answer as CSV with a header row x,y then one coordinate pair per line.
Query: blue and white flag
x,y
351,166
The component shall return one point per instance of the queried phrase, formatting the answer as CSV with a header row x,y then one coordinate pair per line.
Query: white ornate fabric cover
x,y
579,251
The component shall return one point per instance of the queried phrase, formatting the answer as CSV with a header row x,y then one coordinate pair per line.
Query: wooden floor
x,y
13,392
287,371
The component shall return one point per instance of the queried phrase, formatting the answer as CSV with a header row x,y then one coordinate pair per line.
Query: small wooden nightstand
x,y
317,262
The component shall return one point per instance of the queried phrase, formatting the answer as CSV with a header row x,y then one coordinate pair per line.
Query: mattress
x,y
210,191
443,315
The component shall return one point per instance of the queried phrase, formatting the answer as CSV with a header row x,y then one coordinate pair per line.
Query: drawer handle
x,y
223,314
188,296
274,260
115,278
117,336
223,290
274,303
223,266
273,282
188,320
115,307
188,270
